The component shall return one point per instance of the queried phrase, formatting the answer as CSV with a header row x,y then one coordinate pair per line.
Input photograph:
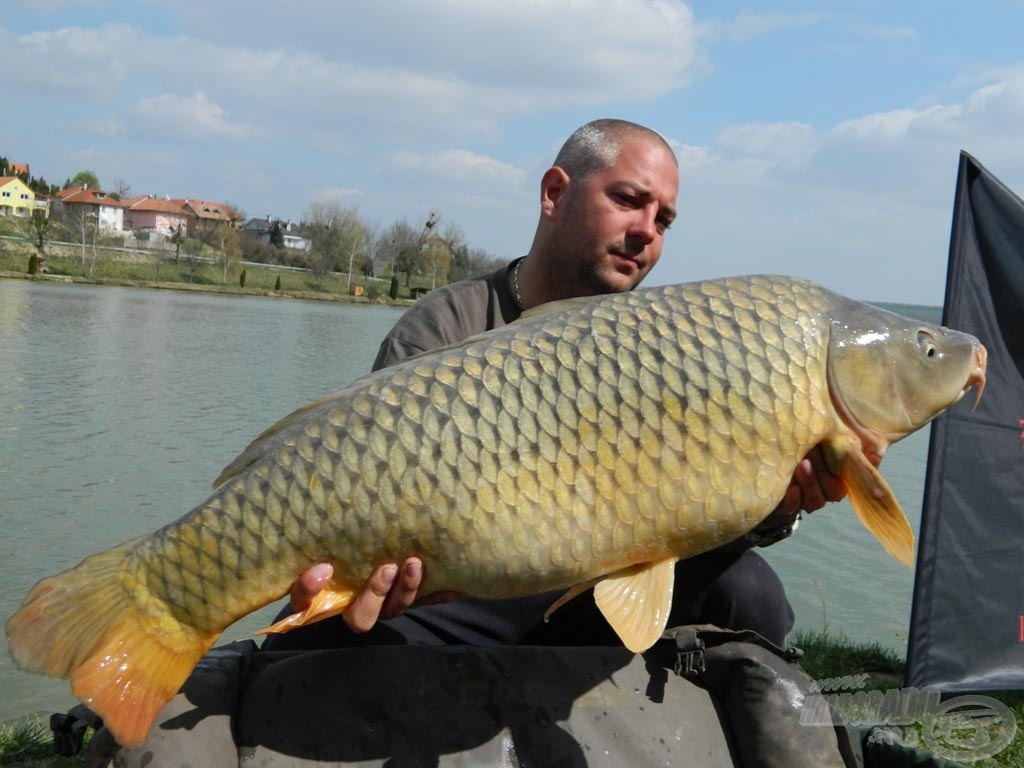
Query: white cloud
x,y
748,25
453,67
770,141
497,57
60,6
339,193
888,33
882,126
195,118
106,126
456,165
85,64
690,157
843,204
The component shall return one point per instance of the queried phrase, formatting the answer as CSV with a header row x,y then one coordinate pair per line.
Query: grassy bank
x,y
828,656
28,743
161,270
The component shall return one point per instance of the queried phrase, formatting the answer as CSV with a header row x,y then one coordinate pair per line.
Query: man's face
x,y
613,225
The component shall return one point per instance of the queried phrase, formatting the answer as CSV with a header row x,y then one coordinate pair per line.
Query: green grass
x,y
827,655
28,742
157,271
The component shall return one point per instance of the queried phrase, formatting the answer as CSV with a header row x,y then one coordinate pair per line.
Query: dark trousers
x,y
730,590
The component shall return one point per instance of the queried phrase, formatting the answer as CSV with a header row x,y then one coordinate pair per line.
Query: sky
x,y
814,139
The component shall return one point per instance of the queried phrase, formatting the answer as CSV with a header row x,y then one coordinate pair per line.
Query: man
x,y
606,205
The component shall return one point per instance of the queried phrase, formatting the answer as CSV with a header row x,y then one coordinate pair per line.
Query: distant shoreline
x,y
229,290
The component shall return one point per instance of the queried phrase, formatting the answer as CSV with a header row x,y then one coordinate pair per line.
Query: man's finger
x,y
403,591
812,495
786,510
309,583
831,486
365,609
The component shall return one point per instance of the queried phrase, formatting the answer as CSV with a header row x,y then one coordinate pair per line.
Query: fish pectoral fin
x,y
636,601
876,505
330,601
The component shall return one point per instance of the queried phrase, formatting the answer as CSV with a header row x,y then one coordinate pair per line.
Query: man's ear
x,y
554,184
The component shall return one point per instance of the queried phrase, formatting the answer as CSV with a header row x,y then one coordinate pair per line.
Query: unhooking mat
x,y
700,697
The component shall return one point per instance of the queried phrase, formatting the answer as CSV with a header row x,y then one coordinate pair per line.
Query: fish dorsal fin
x,y
636,601
873,501
556,306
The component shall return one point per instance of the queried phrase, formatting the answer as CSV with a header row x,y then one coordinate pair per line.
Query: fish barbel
x,y
592,443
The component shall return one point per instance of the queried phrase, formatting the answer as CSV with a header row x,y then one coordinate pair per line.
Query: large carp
x,y
594,441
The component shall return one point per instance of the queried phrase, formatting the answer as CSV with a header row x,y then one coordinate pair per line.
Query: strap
x,y
692,641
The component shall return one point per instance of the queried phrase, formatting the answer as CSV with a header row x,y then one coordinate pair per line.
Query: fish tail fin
x,y
876,505
82,624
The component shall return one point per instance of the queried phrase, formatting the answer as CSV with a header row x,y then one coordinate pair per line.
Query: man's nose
x,y
644,225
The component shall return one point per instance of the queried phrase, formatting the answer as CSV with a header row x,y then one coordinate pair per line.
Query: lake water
x,y
118,408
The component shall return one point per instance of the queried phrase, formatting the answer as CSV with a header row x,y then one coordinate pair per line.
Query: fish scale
x,y
596,437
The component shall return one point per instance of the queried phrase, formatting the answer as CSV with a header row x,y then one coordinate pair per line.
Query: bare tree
x,y
439,252
41,224
470,262
225,240
82,220
122,189
340,237
177,238
192,249
401,246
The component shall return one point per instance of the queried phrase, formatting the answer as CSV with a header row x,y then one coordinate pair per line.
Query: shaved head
x,y
595,146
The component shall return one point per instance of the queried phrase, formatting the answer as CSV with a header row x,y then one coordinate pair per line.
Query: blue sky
x,y
815,139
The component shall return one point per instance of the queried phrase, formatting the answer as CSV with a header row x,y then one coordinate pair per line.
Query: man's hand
x,y
388,592
812,486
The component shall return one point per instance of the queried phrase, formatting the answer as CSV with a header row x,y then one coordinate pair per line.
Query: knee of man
x,y
753,596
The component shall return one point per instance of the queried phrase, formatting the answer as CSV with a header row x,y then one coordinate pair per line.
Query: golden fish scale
x,y
564,446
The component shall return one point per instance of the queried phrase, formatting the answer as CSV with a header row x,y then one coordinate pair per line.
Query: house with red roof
x,y
162,215
204,214
108,211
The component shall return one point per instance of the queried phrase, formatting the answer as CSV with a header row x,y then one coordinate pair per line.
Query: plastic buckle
x,y
68,734
689,655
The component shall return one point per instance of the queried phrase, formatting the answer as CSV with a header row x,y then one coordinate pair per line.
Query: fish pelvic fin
x,y
872,499
571,594
330,601
636,601
83,625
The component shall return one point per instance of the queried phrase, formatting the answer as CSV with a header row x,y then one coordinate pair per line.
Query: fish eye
x,y
927,344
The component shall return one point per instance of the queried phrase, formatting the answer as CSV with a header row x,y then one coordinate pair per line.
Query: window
x,y
7,194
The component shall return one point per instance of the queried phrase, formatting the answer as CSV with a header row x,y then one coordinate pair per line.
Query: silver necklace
x,y
515,283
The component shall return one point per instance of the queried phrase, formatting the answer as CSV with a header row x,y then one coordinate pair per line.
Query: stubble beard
x,y
602,277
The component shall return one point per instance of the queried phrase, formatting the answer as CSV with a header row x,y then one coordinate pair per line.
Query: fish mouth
x,y
977,377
